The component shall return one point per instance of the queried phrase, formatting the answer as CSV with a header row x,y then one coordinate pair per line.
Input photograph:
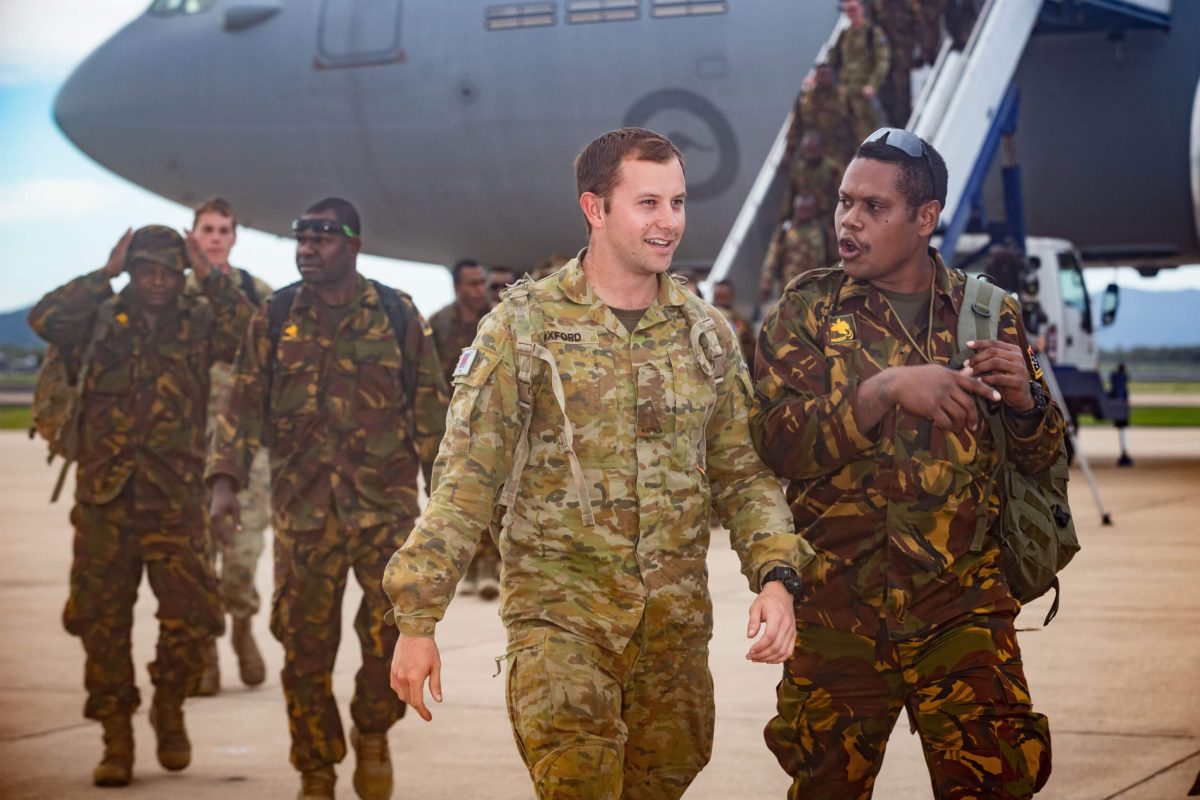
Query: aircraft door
x,y
356,33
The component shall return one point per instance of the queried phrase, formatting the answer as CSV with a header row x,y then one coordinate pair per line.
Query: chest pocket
x,y
296,380
587,371
378,391
111,371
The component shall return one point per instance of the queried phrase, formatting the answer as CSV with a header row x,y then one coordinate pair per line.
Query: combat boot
x,y
489,579
317,784
166,717
373,765
250,661
116,766
210,678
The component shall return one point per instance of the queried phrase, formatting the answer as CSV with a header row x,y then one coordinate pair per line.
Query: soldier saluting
x,y
605,406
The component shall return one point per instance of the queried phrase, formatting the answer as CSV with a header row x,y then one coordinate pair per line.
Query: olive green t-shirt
x,y
630,317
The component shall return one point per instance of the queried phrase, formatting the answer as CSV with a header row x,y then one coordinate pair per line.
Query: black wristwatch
x,y
1039,403
788,577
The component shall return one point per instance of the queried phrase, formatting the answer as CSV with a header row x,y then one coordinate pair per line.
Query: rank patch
x,y
842,330
465,361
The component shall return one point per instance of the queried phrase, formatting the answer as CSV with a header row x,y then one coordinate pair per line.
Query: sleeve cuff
x,y
411,626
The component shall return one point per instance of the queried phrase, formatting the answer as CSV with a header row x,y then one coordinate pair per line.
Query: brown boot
x,y
317,784
250,661
116,766
210,678
373,765
166,717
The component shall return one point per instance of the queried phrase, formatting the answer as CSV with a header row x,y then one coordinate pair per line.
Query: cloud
x,y
40,40
43,199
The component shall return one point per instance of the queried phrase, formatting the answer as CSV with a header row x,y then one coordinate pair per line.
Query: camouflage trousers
x,y
591,723
112,544
865,111
966,696
238,560
311,568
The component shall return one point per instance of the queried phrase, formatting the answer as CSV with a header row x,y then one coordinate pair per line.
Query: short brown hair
x,y
217,205
598,164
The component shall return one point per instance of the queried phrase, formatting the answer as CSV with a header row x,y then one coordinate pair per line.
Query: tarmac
x,y
1118,672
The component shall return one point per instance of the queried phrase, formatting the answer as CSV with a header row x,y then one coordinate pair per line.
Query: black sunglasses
x,y
908,143
322,226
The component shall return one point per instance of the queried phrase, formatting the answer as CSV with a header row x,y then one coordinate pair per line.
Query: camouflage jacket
x,y
822,180
657,441
744,332
146,391
828,112
221,372
801,247
890,510
334,414
451,334
859,60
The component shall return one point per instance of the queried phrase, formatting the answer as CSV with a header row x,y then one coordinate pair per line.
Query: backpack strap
x,y
710,356
100,329
524,311
248,287
979,318
396,305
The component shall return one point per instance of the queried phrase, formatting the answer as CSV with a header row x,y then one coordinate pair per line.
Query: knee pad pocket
x,y
581,771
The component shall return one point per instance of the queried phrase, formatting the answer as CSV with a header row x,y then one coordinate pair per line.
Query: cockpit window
x,y
167,8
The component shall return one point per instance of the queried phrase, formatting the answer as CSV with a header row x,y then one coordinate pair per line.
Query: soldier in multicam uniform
x,y
890,464
802,243
454,329
862,57
724,298
605,595
332,400
215,228
139,491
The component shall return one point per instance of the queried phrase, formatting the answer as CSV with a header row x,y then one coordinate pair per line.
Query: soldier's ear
x,y
592,206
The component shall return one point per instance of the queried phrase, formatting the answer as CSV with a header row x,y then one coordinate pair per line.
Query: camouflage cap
x,y
159,244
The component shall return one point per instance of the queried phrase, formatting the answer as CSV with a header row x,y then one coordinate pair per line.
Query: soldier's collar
x,y
365,293
943,286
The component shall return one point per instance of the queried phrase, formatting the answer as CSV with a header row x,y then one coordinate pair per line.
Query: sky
x,y
61,213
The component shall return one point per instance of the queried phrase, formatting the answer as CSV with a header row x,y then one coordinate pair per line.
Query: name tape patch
x,y
572,337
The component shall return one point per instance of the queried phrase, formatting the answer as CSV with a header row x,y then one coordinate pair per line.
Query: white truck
x,y
1058,314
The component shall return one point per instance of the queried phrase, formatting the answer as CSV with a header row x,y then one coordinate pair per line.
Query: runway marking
x,y
1153,775
39,734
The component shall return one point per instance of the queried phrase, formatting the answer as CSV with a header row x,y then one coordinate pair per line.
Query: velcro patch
x,y
842,329
466,360
572,336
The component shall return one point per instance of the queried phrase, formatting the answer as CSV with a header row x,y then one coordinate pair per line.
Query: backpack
x,y
1035,529
395,304
528,321
58,403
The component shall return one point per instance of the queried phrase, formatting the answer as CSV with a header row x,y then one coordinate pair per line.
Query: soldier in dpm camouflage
x,y
801,244
605,407
454,328
890,465
339,377
142,358
862,57
215,227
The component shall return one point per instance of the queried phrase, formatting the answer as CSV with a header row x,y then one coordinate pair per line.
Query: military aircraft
x,y
452,125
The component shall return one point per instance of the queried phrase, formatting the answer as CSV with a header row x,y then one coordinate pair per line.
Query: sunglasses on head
x,y
906,142
300,226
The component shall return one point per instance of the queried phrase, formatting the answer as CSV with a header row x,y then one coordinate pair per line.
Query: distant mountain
x,y
15,331
1152,319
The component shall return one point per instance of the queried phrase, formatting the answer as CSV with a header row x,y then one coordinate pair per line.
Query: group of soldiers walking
x,y
864,82
599,416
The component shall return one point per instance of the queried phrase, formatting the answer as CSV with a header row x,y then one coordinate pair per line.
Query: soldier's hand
x,y
224,511
868,91
200,263
945,396
774,610
1001,365
116,258
415,659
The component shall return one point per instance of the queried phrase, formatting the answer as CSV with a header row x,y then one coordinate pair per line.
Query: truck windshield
x,y
1074,290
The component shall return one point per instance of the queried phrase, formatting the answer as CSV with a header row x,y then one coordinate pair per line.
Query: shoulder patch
x,y
466,360
842,329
